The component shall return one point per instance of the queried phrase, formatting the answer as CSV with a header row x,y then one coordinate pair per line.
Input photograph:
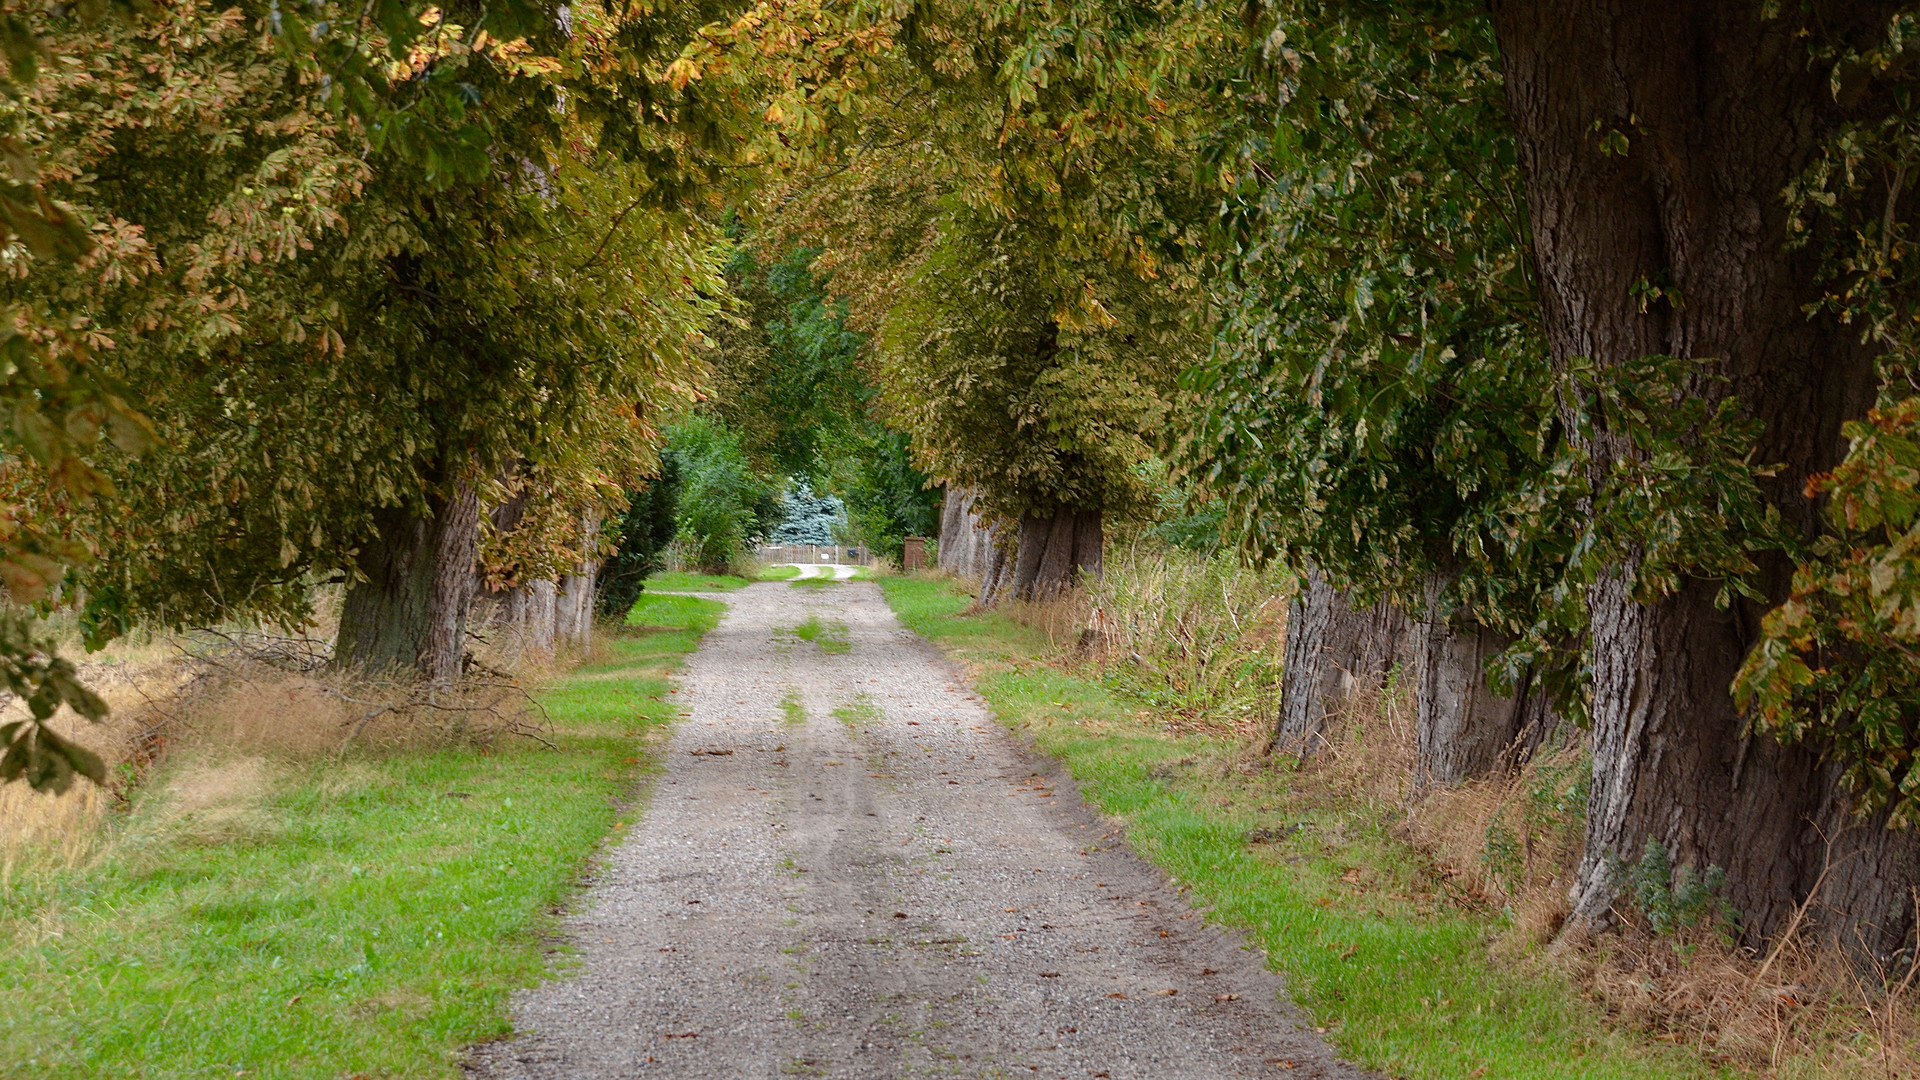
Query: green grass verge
x,y
680,581
358,918
780,573
1402,981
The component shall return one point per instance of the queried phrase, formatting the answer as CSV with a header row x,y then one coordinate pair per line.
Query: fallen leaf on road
x,y
1165,993
1049,974
1120,996
1226,997
683,1034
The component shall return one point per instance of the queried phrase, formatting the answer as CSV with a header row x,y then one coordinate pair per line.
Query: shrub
x,y
641,535
724,502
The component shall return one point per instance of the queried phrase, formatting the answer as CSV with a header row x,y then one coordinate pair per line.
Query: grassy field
x,y
320,918
1395,971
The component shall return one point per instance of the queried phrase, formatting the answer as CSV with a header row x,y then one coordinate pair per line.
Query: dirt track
x,y
888,888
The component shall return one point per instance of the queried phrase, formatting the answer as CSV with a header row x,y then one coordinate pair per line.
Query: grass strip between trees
x,y
668,581
366,917
1399,978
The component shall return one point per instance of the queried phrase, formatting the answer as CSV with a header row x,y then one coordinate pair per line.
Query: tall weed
x,y
1200,635
1199,641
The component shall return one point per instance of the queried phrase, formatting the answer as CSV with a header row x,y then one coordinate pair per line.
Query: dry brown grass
x,y
214,723
36,828
1506,845
1510,843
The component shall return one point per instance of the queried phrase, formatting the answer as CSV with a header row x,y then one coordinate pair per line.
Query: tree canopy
x,y
411,299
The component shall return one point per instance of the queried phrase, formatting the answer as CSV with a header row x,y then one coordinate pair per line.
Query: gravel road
x,y
848,869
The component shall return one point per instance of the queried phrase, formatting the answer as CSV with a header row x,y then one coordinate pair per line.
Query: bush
x,y
887,498
642,534
724,504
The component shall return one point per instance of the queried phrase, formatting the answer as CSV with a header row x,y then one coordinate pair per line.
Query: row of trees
x,y
1544,345
1564,354
393,296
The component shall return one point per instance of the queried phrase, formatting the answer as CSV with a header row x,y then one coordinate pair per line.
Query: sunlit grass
x,y
1401,981
366,917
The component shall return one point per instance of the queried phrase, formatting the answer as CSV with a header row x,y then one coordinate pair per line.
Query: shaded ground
x,y
849,870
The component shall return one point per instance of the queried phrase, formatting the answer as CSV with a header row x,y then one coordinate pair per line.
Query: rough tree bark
x,y
1720,108
528,614
1463,730
954,553
1054,549
573,602
410,612
996,576
967,542
1333,652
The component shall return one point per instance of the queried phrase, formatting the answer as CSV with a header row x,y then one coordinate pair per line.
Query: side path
x,y
848,869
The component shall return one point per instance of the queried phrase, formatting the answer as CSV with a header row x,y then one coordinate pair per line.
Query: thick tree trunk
x,y
996,576
1463,730
1720,109
573,602
528,613
968,544
1333,652
410,612
1054,550
955,552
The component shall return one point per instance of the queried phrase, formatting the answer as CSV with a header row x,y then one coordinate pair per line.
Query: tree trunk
x,y
1333,652
573,602
968,545
1054,550
996,576
529,615
955,550
410,612
1463,730
1720,108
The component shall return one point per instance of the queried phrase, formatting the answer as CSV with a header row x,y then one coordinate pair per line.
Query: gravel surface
x,y
885,886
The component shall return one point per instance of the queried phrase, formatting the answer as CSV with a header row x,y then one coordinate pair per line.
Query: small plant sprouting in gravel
x,y
830,638
791,707
862,710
